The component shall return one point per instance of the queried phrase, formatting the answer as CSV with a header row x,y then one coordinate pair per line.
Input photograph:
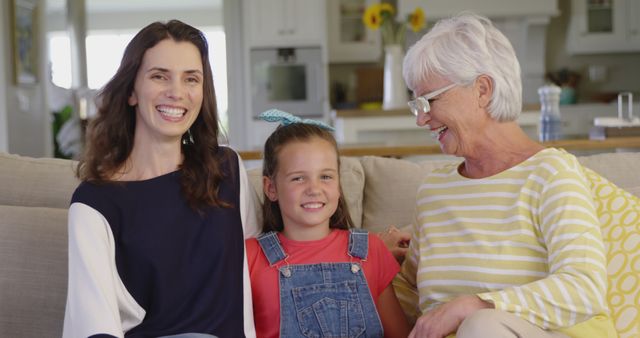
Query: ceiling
x,y
135,5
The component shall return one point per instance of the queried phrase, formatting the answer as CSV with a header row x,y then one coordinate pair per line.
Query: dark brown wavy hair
x,y
283,135
110,135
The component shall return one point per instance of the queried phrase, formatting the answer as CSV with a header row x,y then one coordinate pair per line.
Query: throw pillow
x,y
619,214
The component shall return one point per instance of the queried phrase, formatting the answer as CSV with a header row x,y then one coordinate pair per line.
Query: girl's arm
x,y
393,320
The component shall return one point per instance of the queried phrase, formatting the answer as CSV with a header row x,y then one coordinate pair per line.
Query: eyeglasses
x,y
421,103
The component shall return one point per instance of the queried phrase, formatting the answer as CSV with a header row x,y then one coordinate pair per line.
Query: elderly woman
x,y
507,242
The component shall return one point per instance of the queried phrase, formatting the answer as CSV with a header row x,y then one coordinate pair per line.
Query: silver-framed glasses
x,y
421,103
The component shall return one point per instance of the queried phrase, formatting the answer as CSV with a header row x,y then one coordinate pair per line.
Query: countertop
x,y
382,132
348,113
412,150
398,126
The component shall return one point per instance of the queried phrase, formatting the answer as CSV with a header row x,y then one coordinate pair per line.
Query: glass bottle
x,y
550,120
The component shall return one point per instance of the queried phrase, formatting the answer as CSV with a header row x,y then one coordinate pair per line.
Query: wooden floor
x,y
404,151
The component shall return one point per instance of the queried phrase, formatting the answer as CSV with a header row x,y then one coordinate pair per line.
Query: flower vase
x,y
395,91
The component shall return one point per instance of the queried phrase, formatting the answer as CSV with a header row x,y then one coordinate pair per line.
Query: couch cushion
x,y
36,182
388,203
351,178
619,214
33,271
392,201
619,168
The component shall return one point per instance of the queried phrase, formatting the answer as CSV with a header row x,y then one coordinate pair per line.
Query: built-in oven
x,y
289,79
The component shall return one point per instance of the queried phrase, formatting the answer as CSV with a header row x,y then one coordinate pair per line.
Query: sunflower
x,y
387,7
417,20
372,17
383,16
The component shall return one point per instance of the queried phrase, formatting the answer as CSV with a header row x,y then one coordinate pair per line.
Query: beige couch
x,y
34,195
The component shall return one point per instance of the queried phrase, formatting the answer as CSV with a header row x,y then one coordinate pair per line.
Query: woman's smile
x,y
172,114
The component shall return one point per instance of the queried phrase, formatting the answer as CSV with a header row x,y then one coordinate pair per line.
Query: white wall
x,y
24,121
4,77
207,16
235,74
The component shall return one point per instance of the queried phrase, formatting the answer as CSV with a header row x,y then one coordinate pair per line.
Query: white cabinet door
x,y
633,23
603,26
265,21
349,39
307,21
435,9
275,23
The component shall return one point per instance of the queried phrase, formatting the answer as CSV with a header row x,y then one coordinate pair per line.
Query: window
x,y
104,52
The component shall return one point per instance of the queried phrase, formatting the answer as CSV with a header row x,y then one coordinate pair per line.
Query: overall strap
x,y
271,247
358,243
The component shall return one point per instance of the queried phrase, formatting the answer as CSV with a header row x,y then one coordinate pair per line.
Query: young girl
x,y
310,275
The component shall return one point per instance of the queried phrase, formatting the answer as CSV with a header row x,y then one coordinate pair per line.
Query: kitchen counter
x,y
413,150
394,133
398,127
360,113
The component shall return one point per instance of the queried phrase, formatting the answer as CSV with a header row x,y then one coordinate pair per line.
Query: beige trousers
x,y
498,324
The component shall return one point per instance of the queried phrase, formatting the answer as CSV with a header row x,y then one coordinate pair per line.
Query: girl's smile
x,y
306,186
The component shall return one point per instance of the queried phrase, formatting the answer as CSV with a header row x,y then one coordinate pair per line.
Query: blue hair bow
x,y
285,119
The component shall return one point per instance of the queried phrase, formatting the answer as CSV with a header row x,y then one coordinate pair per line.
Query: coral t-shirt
x,y
379,269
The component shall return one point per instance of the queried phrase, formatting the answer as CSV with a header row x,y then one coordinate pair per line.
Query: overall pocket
x,y
329,310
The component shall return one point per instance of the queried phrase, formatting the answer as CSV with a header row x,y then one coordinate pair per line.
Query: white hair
x,y
462,48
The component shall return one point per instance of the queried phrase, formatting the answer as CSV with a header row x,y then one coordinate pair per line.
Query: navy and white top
x,y
144,264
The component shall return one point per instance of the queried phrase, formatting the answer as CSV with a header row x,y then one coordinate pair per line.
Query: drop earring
x,y
190,136
187,138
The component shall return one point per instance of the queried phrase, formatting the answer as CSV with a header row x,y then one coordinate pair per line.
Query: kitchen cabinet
x,y
349,39
285,23
604,26
436,9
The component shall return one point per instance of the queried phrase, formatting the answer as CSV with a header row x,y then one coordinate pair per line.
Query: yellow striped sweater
x,y
527,240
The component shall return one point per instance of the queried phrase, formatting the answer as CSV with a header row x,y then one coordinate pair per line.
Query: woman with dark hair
x,y
157,226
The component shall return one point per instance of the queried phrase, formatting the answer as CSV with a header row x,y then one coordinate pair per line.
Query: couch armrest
x,y
33,271
36,182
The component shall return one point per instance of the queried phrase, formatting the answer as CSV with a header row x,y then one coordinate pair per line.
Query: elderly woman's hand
x,y
446,318
397,241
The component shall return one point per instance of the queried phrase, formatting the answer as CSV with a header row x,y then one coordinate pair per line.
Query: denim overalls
x,y
324,299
